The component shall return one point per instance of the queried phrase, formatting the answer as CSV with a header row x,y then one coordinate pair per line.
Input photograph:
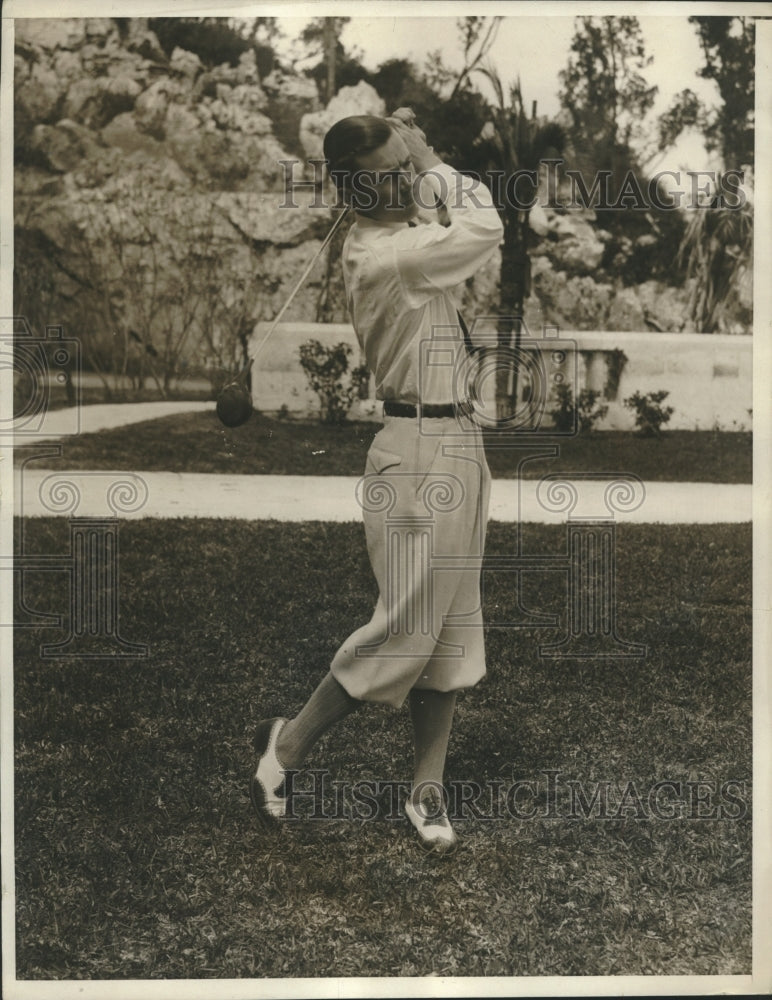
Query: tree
x,y
515,143
477,36
336,67
717,247
728,45
605,95
717,252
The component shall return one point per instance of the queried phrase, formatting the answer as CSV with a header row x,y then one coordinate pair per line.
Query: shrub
x,y
325,368
649,414
212,39
581,413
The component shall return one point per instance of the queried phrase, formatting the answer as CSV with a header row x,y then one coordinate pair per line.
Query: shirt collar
x,y
368,224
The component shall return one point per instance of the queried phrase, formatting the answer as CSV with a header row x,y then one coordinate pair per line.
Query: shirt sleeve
x,y
431,258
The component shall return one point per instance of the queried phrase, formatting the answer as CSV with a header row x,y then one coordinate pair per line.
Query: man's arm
x,y
431,258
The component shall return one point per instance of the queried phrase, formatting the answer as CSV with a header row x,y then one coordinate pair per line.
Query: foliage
x,y
581,413
336,67
212,39
615,365
602,88
477,35
728,46
325,367
717,250
650,415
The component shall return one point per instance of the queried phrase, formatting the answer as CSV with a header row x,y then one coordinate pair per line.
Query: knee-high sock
x,y
432,716
328,704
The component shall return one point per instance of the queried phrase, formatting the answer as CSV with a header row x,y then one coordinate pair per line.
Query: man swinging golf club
x,y
425,639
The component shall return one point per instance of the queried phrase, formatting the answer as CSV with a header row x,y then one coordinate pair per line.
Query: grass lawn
x,y
136,852
198,442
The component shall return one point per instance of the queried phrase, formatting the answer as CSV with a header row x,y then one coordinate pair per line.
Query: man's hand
x,y
422,156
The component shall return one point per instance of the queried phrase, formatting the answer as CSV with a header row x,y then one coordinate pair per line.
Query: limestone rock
x,y
145,42
246,71
291,87
236,117
67,66
97,29
249,96
185,63
578,249
261,219
360,100
538,220
38,95
572,303
95,102
152,104
290,97
625,311
664,304
122,132
51,33
61,147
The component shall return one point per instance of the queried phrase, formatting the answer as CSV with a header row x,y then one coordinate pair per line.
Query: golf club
x,y
234,403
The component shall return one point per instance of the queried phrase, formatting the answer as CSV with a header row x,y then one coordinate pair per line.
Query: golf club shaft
x,y
300,281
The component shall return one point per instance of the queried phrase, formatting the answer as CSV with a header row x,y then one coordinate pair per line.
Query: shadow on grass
x,y
198,442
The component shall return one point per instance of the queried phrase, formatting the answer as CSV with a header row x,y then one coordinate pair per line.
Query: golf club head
x,y
234,405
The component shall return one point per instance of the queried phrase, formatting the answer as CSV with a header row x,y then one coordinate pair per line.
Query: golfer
x,y
426,486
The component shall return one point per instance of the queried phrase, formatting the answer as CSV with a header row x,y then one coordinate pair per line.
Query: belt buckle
x,y
419,411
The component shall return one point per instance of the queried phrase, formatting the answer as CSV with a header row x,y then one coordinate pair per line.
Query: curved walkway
x,y
99,417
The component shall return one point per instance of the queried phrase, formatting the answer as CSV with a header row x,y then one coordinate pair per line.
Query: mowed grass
x,y
198,442
137,855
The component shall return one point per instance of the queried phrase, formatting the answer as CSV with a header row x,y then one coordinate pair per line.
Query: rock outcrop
x,y
102,112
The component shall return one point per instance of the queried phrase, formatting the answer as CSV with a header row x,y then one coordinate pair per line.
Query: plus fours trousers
x,y
425,497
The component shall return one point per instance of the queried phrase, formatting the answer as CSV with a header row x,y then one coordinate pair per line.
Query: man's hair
x,y
348,139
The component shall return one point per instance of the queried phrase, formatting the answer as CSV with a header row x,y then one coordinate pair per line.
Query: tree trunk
x,y
512,292
330,42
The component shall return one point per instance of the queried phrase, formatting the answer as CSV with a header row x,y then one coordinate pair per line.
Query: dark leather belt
x,y
391,408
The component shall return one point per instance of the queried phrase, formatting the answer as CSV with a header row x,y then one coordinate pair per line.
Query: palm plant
x,y
717,251
514,142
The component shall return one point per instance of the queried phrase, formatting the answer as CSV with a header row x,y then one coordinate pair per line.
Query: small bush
x,y
325,368
649,414
581,413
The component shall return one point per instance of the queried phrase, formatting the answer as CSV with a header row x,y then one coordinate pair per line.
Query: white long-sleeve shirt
x,y
398,283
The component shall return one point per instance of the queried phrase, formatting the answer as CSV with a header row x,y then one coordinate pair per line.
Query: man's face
x,y
385,183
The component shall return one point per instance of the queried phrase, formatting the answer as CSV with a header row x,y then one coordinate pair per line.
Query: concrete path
x,y
99,417
43,493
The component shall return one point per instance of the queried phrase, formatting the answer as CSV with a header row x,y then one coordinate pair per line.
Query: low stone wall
x,y
709,377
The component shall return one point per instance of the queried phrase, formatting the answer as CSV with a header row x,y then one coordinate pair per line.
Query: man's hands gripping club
x,y
422,156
